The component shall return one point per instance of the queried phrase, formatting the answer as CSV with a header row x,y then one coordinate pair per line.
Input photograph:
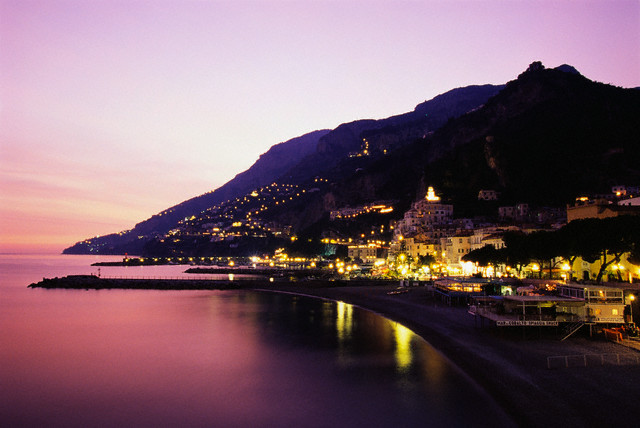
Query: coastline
x,y
511,369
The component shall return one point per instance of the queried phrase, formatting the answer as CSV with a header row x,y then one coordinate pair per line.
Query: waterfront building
x,y
575,305
602,304
366,253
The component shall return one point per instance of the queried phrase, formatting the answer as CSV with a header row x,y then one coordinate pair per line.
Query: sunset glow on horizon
x,y
113,111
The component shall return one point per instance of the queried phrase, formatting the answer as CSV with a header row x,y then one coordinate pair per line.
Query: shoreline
x,y
512,369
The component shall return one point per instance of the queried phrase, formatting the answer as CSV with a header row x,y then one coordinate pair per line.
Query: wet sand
x,y
511,368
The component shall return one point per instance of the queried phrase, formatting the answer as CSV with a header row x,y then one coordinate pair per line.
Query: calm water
x,y
213,358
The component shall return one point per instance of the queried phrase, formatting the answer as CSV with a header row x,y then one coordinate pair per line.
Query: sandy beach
x,y
511,368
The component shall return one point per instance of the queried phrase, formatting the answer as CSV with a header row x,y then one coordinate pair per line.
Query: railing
x,y
570,329
584,360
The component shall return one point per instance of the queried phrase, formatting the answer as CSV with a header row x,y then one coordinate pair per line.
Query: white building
x,y
425,213
366,253
455,247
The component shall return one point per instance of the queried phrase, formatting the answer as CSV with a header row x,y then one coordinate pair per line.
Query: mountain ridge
x,y
500,138
312,153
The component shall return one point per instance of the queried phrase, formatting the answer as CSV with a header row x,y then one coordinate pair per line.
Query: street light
x,y
632,298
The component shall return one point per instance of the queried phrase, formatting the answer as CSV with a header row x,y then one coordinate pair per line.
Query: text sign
x,y
526,323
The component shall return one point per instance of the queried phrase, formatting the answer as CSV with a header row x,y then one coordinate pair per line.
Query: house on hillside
x,y
487,195
599,208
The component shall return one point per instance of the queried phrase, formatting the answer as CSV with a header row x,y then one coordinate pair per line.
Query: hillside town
x,y
427,241
451,196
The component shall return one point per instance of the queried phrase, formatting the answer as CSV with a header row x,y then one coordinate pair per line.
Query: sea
x,y
219,358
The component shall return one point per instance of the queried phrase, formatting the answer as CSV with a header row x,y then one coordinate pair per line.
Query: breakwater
x,y
93,282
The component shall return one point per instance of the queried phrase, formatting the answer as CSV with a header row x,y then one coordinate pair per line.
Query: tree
x,y
606,240
426,260
573,240
515,253
617,236
543,248
485,256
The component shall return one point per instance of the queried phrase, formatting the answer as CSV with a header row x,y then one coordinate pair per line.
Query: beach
x,y
511,368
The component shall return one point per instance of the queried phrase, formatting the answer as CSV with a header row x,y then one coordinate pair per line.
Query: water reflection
x,y
218,358
344,321
404,353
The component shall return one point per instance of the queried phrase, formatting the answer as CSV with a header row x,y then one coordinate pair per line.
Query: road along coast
x,y
511,368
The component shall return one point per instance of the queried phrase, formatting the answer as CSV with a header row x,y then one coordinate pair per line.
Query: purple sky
x,y
111,111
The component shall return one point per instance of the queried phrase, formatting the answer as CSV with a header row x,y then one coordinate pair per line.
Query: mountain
x,y
269,167
297,160
379,137
544,138
548,137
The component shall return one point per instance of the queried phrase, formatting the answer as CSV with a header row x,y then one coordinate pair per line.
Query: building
x,y
487,195
455,247
622,191
494,239
518,212
586,208
425,214
415,248
575,306
366,253
602,304
630,201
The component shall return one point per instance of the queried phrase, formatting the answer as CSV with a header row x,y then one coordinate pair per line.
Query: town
x,y
542,267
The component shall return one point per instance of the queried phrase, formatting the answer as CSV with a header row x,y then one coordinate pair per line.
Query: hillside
x,y
265,170
547,137
544,138
297,160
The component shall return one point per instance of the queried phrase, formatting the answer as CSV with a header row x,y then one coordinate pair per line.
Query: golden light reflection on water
x,y
403,351
344,321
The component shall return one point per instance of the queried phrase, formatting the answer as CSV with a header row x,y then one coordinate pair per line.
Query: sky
x,y
113,110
